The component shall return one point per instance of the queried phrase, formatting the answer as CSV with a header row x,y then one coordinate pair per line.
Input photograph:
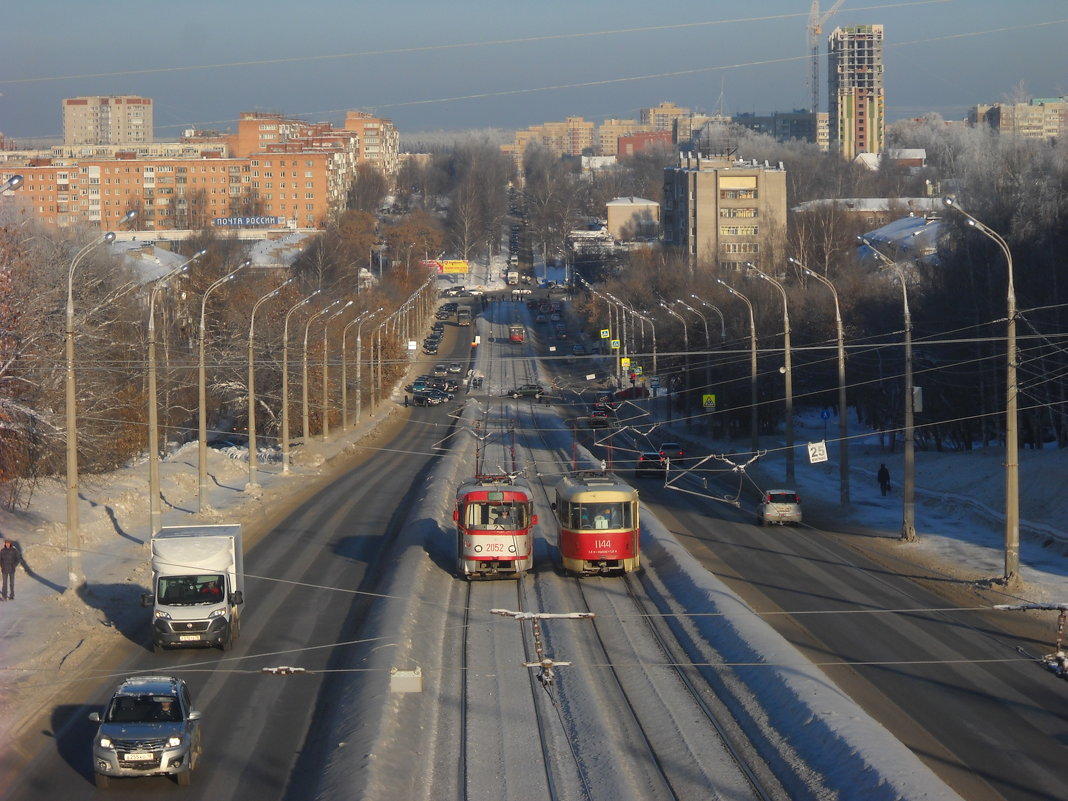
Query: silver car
x,y
148,728
779,506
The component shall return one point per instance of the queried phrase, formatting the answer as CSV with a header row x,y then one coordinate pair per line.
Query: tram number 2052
x,y
494,547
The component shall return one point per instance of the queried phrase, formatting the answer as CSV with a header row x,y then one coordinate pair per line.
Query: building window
x,y
740,247
732,211
738,194
738,230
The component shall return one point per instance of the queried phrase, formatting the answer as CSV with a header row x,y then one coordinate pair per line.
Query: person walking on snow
x,y
10,558
884,479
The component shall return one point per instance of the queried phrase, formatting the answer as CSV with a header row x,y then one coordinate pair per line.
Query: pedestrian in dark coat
x,y
10,558
884,479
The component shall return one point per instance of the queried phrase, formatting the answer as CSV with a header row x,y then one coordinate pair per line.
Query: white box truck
x,y
512,277
198,586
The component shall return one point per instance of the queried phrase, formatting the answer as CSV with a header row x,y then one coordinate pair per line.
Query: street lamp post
x,y
344,364
754,420
14,182
843,422
304,373
908,514
154,510
285,379
326,375
708,344
686,354
1012,453
252,451
75,577
787,371
202,449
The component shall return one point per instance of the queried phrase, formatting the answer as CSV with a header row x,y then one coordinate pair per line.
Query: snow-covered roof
x,y
631,201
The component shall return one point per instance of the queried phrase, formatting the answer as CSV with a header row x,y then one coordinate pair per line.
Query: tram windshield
x,y
497,515
596,515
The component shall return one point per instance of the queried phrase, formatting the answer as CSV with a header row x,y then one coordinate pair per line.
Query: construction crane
x,y
815,29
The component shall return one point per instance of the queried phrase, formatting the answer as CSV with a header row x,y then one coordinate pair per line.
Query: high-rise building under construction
x,y
855,84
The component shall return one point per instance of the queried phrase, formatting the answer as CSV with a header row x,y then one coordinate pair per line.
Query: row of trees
x,y
957,299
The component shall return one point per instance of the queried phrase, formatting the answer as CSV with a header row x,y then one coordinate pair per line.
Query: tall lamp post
x,y
154,510
1012,453
686,354
708,342
843,422
75,577
304,372
285,379
326,376
252,450
344,364
754,419
202,449
14,182
787,371
908,514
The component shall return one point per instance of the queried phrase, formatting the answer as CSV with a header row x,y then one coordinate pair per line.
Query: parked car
x,y
455,368
779,507
526,391
650,463
671,450
148,728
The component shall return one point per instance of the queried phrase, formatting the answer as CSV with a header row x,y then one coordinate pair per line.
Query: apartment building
x,y
107,120
273,172
379,140
610,131
724,212
663,116
1038,118
855,79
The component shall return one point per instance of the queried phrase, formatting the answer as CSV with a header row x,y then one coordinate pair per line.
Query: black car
x,y
526,391
650,463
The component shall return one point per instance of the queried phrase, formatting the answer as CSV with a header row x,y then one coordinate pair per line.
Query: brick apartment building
x,y
274,171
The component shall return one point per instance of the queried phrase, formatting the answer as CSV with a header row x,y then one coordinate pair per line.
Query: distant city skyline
x,y
462,65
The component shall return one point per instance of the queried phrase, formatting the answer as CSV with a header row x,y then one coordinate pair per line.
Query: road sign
x,y
625,362
615,344
708,401
654,381
605,333
817,452
825,415
638,369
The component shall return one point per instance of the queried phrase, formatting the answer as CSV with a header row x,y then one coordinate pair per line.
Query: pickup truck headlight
x,y
174,742
162,615
105,742
217,612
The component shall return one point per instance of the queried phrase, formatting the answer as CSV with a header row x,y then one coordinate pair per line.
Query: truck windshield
x,y
190,590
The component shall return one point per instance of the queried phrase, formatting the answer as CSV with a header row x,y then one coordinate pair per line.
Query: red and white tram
x,y
494,527
598,517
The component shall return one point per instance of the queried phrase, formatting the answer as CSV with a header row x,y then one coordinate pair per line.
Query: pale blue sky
x,y
451,64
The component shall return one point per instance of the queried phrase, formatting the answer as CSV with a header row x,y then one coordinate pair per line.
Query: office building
x,y
1044,118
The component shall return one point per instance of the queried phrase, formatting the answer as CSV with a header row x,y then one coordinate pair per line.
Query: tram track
x,y
645,713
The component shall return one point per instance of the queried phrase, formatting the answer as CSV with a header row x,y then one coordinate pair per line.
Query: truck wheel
x,y
184,777
102,781
227,642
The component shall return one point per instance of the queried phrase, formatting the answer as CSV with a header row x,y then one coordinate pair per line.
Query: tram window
x,y
495,515
597,515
